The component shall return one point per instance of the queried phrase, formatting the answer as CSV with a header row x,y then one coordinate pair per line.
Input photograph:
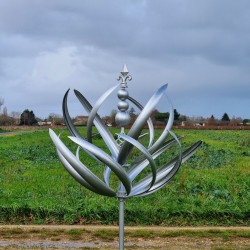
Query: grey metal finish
x,y
149,121
121,223
80,168
122,117
106,159
94,111
139,123
117,160
101,127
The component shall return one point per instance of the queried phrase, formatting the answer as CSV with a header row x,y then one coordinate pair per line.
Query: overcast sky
x,y
200,48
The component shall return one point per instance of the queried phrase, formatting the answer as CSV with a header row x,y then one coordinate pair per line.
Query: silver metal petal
x,y
143,188
140,164
139,123
107,160
80,168
94,111
188,153
149,121
146,154
66,116
166,130
74,174
101,127
164,174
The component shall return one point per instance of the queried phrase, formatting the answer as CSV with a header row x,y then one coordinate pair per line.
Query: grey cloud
x,y
209,29
202,48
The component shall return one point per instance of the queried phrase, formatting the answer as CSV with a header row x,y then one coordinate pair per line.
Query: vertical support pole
x,y
121,223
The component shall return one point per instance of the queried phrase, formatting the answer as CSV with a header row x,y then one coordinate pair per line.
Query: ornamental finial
x,y
124,70
124,76
122,117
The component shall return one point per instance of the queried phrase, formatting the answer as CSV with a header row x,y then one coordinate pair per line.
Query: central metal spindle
x,y
122,118
121,223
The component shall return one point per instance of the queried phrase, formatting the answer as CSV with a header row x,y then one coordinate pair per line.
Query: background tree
x,y
161,116
211,121
28,118
225,119
176,115
246,121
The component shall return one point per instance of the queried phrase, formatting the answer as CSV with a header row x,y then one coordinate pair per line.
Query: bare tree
x,y
16,115
56,119
1,103
112,117
6,120
5,111
235,121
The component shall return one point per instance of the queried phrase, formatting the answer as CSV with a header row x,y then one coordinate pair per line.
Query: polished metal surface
x,y
122,117
118,160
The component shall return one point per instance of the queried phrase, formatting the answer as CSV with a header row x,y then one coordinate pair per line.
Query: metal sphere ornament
x,y
118,161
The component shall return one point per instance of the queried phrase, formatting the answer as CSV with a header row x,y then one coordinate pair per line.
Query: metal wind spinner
x,y
117,161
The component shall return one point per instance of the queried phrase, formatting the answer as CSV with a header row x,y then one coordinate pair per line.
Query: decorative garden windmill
x,y
118,160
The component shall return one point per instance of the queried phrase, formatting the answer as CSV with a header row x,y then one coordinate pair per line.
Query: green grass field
x,y
211,188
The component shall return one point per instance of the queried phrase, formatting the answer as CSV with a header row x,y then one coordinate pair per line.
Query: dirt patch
x,y
104,237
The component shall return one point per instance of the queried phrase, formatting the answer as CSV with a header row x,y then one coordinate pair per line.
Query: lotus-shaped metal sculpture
x,y
118,161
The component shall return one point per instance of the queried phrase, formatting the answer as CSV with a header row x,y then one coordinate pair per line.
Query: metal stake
x,y
121,223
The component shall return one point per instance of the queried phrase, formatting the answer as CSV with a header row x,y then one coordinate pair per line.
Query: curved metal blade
x,y
107,171
94,111
139,123
138,166
166,130
185,155
80,168
106,175
145,153
102,129
149,121
164,175
107,160
164,181
74,174
67,118
141,136
142,187
191,150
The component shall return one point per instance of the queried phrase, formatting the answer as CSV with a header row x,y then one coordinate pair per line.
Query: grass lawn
x,y
211,188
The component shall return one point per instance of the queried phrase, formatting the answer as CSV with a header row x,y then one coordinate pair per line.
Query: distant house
x,y
200,124
183,123
81,120
44,123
